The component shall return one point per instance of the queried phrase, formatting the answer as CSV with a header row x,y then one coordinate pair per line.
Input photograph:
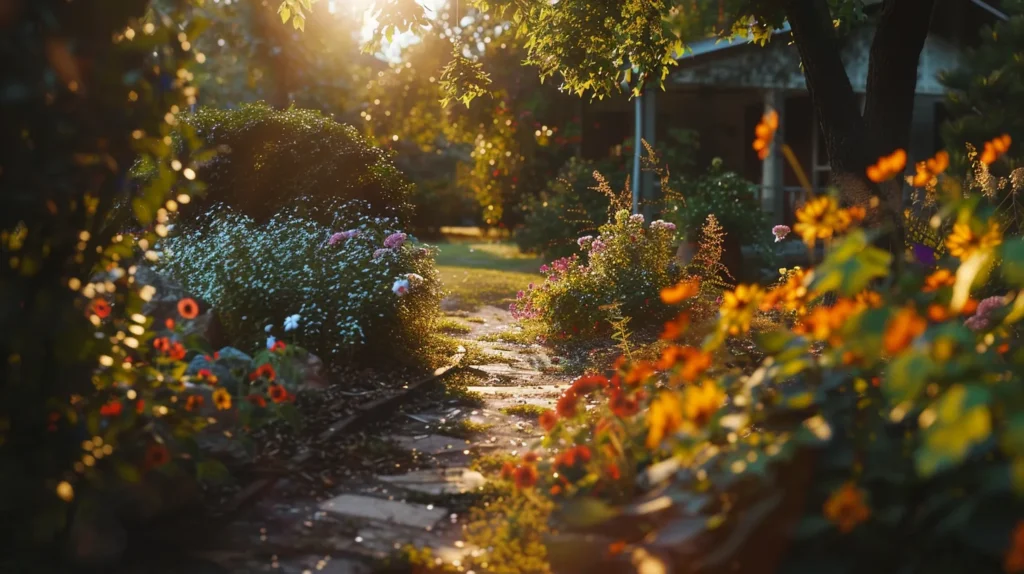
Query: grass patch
x,y
452,326
463,428
479,320
470,288
524,336
526,411
456,387
497,256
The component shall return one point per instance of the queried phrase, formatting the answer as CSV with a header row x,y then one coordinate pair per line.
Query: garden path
x,y
350,527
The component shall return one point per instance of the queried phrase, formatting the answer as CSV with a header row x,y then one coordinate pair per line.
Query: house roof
x,y
739,63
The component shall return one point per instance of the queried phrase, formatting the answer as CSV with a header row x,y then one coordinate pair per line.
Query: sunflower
x,y
222,399
188,308
700,402
964,242
820,218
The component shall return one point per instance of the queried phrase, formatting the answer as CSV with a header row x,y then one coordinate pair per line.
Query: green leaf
x,y
142,211
962,421
1013,435
906,376
1012,254
212,470
290,414
586,512
851,266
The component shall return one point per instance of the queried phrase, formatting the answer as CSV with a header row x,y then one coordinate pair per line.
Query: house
x,y
721,89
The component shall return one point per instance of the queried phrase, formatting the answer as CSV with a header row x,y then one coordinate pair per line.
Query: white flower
x,y
292,322
270,342
401,287
266,329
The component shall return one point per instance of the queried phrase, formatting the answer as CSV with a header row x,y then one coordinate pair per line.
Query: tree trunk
x,y
854,142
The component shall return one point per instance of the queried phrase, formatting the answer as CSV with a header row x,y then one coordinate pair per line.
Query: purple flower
x,y
780,232
923,254
380,253
544,268
981,318
395,240
342,236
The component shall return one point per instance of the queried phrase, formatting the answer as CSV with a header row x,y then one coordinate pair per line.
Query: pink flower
x,y
780,232
342,236
395,240
380,253
981,318
661,224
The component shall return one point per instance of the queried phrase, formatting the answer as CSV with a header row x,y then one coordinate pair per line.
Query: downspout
x,y
638,122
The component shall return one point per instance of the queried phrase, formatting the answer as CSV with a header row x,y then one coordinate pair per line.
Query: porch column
x,y
649,179
637,135
773,196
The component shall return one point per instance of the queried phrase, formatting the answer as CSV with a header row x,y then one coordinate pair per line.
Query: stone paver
x,y
521,391
438,481
501,370
367,507
432,443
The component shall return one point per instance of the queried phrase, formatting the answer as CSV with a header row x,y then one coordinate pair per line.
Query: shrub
x,y
629,264
268,157
363,290
882,432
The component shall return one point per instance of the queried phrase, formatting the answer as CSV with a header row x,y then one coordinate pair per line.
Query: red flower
x,y
188,308
277,393
613,471
278,346
257,400
621,405
169,323
530,457
207,376
140,405
525,476
101,308
111,409
194,402
176,352
265,370
157,455
548,419
162,344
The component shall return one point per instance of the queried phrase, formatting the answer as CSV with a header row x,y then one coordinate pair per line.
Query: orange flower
x,y
995,148
681,292
169,323
623,405
846,507
188,308
277,393
525,476
888,166
507,470
764,133
1014,561
675,329
937,313
938,279
194,402
162,344
902,329
616,548
157,455
612,470
111,409
693,363
929,169
100,308
265,370
222,399
547,420
639,372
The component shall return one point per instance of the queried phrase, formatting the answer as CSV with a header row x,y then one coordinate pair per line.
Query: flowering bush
x,y
362,288
883,432
628,264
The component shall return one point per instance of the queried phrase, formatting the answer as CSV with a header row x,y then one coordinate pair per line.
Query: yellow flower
x,y
222,398
663,418
846,507
700,403
738,308
821,218
963,242
791,295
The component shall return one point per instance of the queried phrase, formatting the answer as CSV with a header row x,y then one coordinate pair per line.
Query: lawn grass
x,y
477,274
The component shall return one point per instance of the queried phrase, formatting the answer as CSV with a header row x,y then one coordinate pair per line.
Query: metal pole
x,y
638,122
